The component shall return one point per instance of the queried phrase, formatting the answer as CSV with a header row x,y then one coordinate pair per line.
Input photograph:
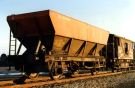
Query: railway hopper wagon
x,y
56,44
120,53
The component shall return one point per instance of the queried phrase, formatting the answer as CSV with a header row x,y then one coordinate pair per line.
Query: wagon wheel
x,y
53,73
72,69
21,80
33,75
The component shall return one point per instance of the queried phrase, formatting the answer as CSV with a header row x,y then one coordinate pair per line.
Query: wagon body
x,y
120,51
56,30
59,44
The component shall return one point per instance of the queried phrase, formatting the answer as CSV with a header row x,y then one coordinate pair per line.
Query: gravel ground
x,y
113,80
124,80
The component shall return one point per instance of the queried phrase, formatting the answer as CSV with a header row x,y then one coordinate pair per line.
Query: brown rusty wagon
x,y
120,52
56,44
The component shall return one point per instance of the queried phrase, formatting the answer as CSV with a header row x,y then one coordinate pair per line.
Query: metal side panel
x,y
59,43
31,24
88,47
99,48
83,48
75,45
121,49
66,26
69,27
97,35
49,23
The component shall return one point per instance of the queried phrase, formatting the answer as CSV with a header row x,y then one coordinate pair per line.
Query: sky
x,y
115,16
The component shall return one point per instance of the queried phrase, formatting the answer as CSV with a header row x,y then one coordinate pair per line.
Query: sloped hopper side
x,y
29,28
58,33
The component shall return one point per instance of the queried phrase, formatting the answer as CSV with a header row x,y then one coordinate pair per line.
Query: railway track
x,y
46,81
